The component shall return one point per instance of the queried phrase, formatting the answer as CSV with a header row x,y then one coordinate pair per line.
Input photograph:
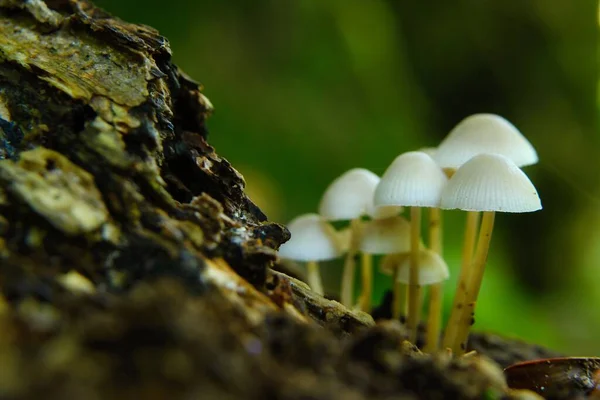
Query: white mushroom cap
x,y
313,239
386,236
413,179
349,196
432,267
484,133
491,182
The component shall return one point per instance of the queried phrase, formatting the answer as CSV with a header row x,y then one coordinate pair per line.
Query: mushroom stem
x,y
347,286
434,316
367,282
435,230
414,288
474,285
313,276
458,304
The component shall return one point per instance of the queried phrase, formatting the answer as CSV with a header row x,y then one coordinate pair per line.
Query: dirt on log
x,y
133,265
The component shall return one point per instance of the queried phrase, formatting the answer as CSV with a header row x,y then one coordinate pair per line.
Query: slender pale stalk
x,y
367,282
414,288
458,305
435,230
347,287
313,276
478,268
434,317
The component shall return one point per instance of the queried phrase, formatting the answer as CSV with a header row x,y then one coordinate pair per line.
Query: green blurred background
x,y
305,90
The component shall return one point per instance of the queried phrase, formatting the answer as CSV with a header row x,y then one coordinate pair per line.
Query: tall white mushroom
x,y
414,180
489,183
349,197
312,240
481,134
478,134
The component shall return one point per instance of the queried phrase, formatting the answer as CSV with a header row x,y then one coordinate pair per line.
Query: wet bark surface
x,y
133,265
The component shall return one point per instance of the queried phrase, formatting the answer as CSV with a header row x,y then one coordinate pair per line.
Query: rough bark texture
x,y
105,171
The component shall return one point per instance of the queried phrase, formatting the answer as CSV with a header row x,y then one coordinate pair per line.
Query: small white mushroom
x,y
350,197
312,240
433,269
414,180
433,272
488,183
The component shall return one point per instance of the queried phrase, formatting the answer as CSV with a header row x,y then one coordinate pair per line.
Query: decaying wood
x,y
106,172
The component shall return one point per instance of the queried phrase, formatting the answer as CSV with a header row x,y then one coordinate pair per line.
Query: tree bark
x,y
106,157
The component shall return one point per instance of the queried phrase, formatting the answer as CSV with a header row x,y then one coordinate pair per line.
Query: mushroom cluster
x,y
476,168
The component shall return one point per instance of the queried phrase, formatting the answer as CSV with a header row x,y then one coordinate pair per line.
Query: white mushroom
x,y
433,272
312,240
491,182
481,134
433,269
488,183
414,180
349,197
